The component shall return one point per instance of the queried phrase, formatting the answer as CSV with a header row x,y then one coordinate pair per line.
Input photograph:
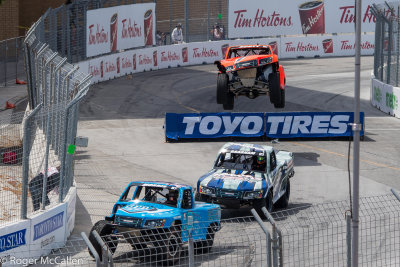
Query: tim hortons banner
x,y
121,27
257,18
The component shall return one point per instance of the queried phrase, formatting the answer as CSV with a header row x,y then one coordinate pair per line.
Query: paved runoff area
x,y
124,118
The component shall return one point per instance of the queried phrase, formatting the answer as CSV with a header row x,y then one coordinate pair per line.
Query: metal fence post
x,y
106,256
47,136
389,60
397,48
267,234
64,142
277,254
395,193
348,239
5,64
25,163
187,21
16,59
91,248
191,250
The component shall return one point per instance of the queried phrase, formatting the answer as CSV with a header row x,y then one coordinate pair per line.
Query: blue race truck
x,y
158,216
248,175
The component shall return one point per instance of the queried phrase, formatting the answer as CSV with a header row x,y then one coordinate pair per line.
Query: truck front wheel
x,y
205,246
267,203
274,88
104,229
172,248
222,87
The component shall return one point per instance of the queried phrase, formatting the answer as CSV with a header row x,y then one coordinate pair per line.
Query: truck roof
x,y
245,148
159,184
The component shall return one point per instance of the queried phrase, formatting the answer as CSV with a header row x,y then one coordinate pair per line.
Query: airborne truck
x,y
250,70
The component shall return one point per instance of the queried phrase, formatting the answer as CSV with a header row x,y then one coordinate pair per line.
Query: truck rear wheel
x,y
281,104
222,87
104,229
274,88
228,101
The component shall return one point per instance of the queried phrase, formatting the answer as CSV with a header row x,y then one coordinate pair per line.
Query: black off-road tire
x,y
104,229
228,102
264,202
283,202
171,246
281,104
222,87
204,246
274,88
137,242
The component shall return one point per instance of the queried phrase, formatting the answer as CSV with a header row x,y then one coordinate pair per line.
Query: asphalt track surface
x,y
124,118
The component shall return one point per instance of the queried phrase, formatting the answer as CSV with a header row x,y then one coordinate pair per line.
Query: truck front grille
x,y
128,221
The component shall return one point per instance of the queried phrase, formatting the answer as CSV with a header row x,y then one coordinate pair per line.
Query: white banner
x,y
257,18
14,242
385,97
48,231
325,46
161,57
121,27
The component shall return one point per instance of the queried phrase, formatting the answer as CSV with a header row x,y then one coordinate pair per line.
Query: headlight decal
x,y
266,60
154,223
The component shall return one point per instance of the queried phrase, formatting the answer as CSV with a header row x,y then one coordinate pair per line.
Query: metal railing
x,y
312,235
387,43
12,61
37,145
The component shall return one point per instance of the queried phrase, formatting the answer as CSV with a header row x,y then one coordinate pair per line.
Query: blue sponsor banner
x,y
12,240
49,225
310,124
213,125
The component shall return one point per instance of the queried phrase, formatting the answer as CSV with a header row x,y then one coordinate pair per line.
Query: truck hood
x,y
232,180
145,209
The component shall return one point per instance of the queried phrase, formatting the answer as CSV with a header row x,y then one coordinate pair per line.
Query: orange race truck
x,y
250,70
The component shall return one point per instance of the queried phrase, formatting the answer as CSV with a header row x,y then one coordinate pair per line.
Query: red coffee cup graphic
x,y
223,49
148,27
327,44
101,69
118,66
113,32
155,58
386,45
274,47
185,54
312,17
134,61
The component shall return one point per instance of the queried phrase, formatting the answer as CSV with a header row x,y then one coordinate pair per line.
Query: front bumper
x,y
235,199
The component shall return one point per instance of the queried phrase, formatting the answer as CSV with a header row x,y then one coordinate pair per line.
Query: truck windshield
x,y
157,194
237,161
243,52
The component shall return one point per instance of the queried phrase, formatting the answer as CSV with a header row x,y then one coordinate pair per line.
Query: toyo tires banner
x,y
121,27
213,125
258,18
272,125
310,124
